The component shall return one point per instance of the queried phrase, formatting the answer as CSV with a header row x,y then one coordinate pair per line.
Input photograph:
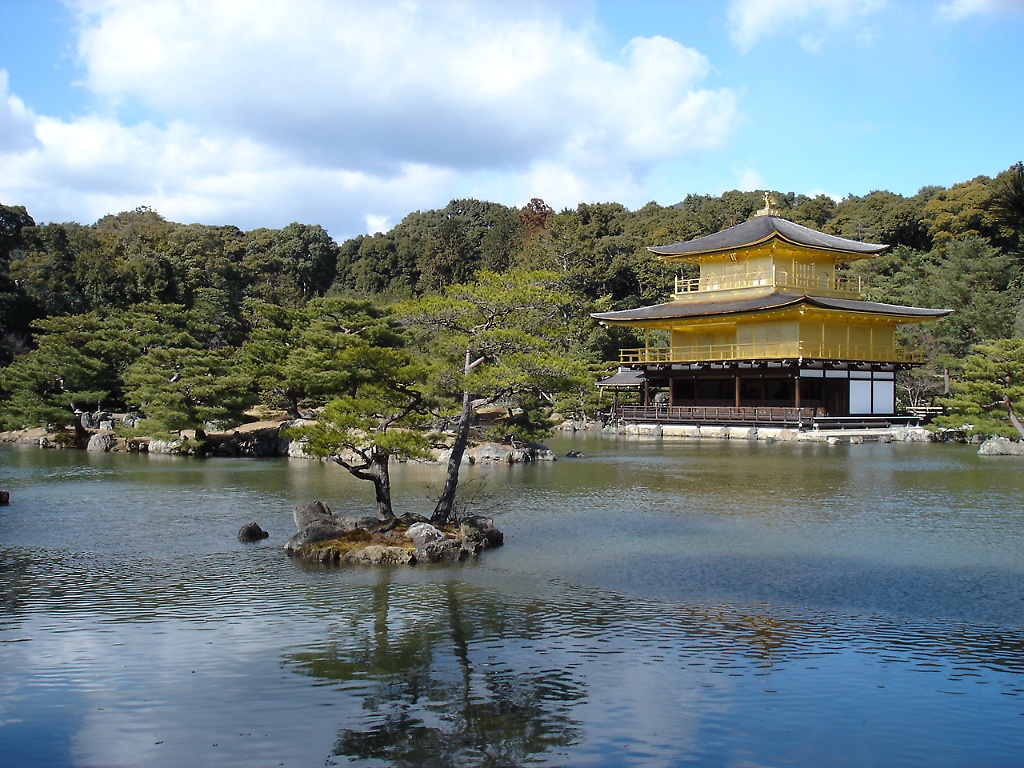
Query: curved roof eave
x,y
876,308
672,310
684,310
761,229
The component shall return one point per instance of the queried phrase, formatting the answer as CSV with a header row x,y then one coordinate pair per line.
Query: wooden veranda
x,y
783,417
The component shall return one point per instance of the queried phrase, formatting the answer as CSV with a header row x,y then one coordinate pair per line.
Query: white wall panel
x,y
883,397
860,396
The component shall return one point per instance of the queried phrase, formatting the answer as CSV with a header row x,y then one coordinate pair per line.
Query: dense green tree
x,y
989,390
977,281
206,270
1007,204
47,270
135,246
16,308
429,250
813,212
881,217
372,265
303,357
963,210
449,256
289,266
14,219
600,252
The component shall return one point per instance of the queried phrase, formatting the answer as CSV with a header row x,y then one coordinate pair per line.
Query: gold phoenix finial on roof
x,y
767,210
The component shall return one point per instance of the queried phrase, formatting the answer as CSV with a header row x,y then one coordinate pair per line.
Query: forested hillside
x,y
136,312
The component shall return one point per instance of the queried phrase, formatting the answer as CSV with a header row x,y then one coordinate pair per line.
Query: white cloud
x,y
957,10
819,191
752,20
748,180
17,131
259,112
373,86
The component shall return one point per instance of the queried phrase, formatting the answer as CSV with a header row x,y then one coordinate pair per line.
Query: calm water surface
x,y
656,604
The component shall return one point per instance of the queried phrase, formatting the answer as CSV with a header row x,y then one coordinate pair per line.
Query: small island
x,y
328,539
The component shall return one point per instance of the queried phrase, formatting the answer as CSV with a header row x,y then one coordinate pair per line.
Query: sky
x,y
352,114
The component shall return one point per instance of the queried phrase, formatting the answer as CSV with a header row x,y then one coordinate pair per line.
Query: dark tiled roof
x,y
627,378
876,307
761,228
731,305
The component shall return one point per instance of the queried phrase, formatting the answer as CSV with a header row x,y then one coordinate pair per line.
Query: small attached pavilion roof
x,y
761,229
624,377
673,310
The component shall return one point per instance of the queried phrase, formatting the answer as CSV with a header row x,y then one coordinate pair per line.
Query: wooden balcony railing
x,y
771,351
720,415
775,278
800,418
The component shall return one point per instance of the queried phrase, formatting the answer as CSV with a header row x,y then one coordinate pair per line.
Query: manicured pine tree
x,y
503,338
380,418
988,393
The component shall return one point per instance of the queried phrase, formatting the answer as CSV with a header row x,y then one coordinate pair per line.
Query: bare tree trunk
x,y
377,472
1013,418
445,509
382,487
446,503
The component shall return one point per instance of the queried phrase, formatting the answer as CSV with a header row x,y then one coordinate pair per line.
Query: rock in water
x,y
478,533
5,498
252,532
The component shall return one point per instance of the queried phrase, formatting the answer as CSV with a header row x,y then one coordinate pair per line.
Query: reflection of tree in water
x,y
438,695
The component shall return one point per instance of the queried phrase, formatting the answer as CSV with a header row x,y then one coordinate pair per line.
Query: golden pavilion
x,y
771,331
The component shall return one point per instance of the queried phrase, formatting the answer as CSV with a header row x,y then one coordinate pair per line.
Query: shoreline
x,y
263,439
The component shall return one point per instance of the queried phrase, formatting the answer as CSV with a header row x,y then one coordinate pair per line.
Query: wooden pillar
x,y
796,388
736,388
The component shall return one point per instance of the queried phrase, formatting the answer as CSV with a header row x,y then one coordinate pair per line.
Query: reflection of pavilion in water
x,y
773,331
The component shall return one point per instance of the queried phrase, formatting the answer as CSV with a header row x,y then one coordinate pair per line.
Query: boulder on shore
x,y
1001,446
315,522
102,441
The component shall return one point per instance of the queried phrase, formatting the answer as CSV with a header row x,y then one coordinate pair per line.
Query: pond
x,y
657,603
